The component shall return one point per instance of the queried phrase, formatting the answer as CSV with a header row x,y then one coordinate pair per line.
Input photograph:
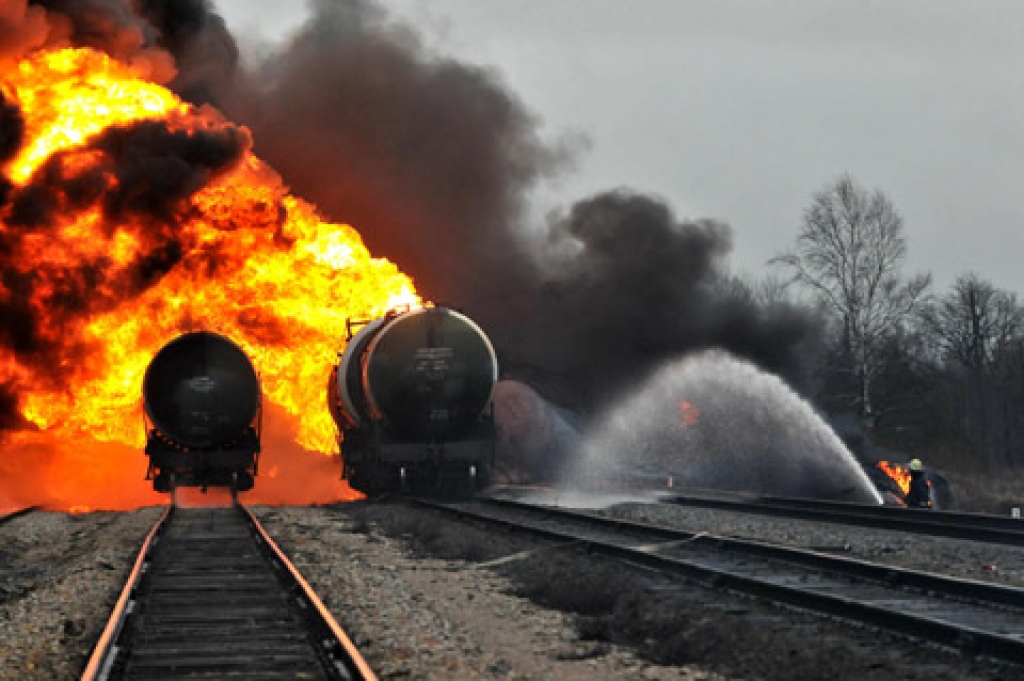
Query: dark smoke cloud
x,y
179,42
112,26
108,25
427,157
204,51
431,159
142,171
642,288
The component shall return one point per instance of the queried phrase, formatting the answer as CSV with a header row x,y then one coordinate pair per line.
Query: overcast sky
x,y
741,110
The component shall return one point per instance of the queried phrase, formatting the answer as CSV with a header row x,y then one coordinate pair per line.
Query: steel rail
x,y
918,604
105,651
17,514
336,636
954,525
216,595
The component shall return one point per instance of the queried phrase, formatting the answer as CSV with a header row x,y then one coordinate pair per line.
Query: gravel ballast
x,y
60,575
665,621
428,597
959,558
432,618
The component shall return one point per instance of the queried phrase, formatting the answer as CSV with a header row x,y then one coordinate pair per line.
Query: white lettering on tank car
x,y
201,384
433,362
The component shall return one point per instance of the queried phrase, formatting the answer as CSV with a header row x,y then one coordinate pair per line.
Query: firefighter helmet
x,y
916,465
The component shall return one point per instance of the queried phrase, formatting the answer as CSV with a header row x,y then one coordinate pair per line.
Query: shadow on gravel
x,y
667,621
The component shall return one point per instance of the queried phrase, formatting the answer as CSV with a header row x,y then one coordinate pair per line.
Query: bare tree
x,y
850,252
976,328
975,322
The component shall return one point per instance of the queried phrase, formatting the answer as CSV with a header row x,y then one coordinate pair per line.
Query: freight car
x,y
412,398
203,414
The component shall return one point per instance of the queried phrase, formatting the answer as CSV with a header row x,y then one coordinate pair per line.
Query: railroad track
x,y
970,526
17,514
951,525
975,617
212,596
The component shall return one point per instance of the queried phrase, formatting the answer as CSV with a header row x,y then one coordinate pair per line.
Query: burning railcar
x,y
203,412
412,396
893,480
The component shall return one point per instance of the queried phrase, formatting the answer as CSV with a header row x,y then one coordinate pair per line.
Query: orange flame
x,y
899,474
257,264
689,413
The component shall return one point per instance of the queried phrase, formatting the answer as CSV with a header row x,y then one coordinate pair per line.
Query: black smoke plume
x,y
143,171
639,288
429,158
204,51
432,160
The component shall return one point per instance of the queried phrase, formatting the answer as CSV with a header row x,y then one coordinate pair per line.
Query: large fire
x,y
109,264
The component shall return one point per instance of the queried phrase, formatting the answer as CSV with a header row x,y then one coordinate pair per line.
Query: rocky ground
x,y
609,608
60,575
429,598
966,559
420,617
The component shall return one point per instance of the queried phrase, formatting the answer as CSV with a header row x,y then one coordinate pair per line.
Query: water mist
x,y
715,422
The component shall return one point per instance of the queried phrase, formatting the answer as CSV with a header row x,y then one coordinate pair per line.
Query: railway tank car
x,y
412,398
203,412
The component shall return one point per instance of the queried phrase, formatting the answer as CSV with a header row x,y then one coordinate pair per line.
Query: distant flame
x,y
245,258
899,474
689,413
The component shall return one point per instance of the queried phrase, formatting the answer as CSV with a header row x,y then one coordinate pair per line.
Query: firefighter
x,y
919,495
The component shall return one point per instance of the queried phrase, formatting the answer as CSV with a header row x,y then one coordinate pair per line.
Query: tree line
x,y
935,374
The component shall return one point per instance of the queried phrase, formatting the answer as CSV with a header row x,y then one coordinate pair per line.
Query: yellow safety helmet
x,y
916,465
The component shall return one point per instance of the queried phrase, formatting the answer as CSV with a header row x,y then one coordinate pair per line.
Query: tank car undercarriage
x,y
376,466
234,466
